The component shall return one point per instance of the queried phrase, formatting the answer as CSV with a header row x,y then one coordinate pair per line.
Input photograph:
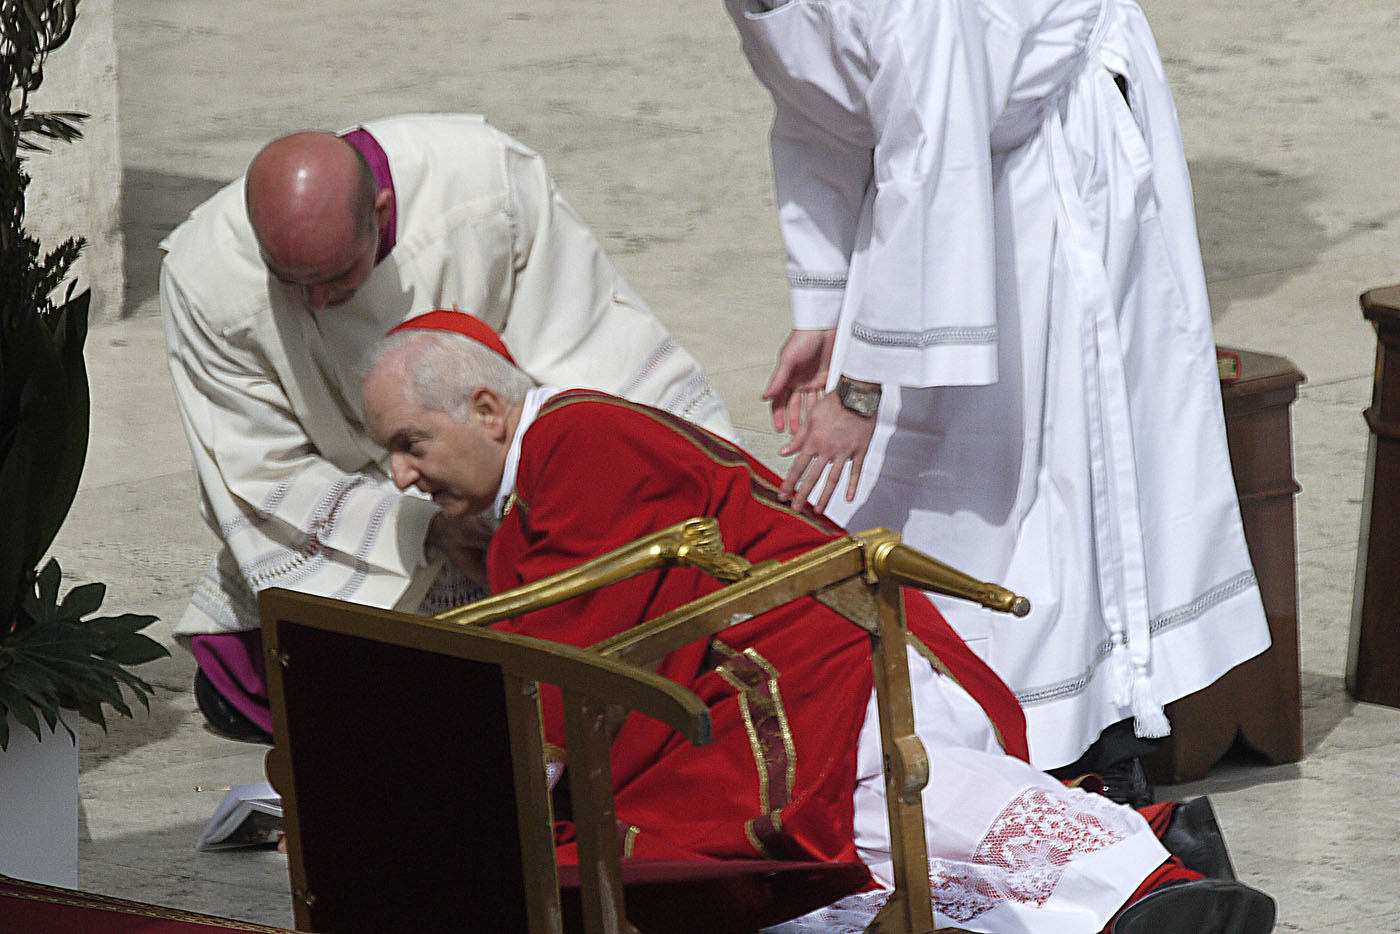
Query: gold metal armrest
x,y
697,543
877,555
887,557
693,543
766,587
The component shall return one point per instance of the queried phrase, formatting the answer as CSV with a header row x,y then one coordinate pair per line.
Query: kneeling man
x,y
794,769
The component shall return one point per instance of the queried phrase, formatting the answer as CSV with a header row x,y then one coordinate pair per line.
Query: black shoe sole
x,y
223,718
1193,836
1206,906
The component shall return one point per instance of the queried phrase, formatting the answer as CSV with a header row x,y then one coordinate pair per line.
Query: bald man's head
x,y
316,212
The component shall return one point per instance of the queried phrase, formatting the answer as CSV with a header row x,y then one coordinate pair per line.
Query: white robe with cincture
x,y
1010,248
269,392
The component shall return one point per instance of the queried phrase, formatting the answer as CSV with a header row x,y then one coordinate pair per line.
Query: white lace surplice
x,y
1010,849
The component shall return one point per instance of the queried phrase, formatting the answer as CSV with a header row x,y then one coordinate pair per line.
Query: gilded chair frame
x,y
859,576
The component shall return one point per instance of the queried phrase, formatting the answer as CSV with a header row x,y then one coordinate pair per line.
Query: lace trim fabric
x,y
449,590
293,558
850,915
1021,858
1165,621
833,282
223,595
1024,854
930,337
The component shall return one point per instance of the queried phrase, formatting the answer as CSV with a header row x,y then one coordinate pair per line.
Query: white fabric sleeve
x,y
289,517
925,314
821,183
574,321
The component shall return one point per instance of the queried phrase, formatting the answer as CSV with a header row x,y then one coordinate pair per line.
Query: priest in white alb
x,y
273,291
1002,346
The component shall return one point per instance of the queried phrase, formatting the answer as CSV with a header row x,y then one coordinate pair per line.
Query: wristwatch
x,y
861,398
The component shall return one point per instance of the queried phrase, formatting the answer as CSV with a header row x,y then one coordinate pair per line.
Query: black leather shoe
x,y
1125,783
1194,837
1205,906
222,717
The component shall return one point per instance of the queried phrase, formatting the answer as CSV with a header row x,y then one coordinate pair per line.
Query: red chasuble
x,y
787,690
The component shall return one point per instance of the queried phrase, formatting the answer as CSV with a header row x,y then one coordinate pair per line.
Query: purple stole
x,y
378,164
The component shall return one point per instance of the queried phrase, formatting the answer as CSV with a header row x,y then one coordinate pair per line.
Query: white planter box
x,y
39,808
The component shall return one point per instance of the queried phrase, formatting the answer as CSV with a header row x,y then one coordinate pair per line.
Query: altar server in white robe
x,y
991,239
266,334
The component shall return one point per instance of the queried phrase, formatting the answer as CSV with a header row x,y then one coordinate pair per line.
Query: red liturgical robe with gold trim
x,y
787,690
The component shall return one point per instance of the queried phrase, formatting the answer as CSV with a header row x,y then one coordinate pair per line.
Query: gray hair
x,y
447,367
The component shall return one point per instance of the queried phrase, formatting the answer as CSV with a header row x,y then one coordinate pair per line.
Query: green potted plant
x,y
55,654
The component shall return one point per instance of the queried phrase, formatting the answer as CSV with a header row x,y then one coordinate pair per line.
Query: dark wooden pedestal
x,y
1373,652
1260,701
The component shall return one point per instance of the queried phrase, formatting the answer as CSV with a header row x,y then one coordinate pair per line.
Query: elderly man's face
x,y
458,462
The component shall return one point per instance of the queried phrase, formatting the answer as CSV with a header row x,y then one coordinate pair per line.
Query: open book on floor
x,y
249,815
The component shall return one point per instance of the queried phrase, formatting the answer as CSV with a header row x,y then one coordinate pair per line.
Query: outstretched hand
x,y
831,437
799,378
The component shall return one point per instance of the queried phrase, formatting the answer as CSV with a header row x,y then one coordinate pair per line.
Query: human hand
x,y
831,437
464,539
799,377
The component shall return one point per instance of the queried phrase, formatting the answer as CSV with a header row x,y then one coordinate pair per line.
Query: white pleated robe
x,y
269,392
1009,246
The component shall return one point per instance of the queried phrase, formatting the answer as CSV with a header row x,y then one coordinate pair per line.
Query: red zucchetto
x,y
458,322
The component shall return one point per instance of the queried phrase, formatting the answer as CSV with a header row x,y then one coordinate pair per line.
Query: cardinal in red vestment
x,y
793,772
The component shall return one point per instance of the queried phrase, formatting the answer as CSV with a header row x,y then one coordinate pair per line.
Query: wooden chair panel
x,y
393,749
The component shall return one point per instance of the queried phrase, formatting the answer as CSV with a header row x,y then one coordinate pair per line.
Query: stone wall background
x,y
76,187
